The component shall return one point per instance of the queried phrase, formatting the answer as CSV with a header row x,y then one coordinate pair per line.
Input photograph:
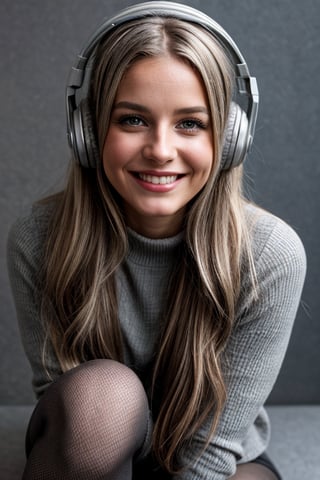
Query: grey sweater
x,y
255,350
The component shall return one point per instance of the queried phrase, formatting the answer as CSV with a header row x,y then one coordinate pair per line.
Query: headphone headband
x,y
246,85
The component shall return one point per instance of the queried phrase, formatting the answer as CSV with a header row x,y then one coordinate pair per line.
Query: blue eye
x,y
131,121
192,124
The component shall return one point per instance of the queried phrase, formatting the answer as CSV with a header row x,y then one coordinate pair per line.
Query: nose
x,y
160,146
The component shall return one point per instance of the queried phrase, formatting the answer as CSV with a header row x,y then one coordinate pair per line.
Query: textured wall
x,y
280,40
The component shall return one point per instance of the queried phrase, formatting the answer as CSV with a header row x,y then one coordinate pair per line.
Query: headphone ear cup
x,y
235,138
90,135
85,140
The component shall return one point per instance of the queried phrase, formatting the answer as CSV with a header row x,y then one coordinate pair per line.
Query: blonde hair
x,y
87,242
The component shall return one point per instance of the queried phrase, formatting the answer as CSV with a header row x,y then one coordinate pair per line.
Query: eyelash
x,y
125,120
197,123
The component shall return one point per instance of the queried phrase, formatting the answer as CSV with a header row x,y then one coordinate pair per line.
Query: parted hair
x,y
87,241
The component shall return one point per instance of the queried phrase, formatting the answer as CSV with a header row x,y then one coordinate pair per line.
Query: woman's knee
x,y
253,471
100,399
96,386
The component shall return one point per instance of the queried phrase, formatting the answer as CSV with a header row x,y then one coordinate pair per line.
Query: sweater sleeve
x,y
255,353
24,256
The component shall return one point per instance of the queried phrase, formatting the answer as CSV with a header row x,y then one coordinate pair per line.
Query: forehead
x,y
159,75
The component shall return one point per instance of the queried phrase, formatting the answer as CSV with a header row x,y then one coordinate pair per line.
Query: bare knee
x,y
253,471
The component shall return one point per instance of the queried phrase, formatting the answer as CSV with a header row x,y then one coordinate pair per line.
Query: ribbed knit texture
x,y
255,351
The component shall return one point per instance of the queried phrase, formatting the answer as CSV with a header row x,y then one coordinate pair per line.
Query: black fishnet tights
x,y
89,425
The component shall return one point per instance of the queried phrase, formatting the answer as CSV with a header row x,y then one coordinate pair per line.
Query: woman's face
x,y
158,151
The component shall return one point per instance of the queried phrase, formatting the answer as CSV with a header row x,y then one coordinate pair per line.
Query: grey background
x,y
280,41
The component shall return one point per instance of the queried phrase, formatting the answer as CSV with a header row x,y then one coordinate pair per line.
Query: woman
x,y
155,303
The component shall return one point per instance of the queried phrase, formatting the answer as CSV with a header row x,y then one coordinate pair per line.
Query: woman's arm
x,y
25,247
254,354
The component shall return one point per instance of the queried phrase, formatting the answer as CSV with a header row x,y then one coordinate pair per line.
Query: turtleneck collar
x,y
152,252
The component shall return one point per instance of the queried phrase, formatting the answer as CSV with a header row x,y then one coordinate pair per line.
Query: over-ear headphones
x,y
241,123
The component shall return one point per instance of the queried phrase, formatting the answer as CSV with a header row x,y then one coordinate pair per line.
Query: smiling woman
x,y
158,151
155,303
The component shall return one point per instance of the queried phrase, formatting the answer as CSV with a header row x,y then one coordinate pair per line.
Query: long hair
x,y
87,242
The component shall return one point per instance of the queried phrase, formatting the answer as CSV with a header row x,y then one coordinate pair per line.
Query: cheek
x,y
202,159
117,151
107,160
202,148
112,155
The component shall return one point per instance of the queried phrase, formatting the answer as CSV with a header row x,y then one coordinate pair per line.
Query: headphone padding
x,y
90,156
235,138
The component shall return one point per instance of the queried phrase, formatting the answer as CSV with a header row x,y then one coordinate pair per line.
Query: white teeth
x,y
164,180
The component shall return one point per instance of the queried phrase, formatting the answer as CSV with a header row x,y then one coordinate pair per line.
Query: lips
x,y
158,179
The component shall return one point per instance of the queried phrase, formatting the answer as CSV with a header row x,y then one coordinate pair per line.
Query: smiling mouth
x,y
157,179
161,180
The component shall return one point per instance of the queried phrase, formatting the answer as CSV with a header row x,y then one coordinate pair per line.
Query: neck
x,y
156,227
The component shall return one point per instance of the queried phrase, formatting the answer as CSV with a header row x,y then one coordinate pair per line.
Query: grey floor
x,y
294,447
295,441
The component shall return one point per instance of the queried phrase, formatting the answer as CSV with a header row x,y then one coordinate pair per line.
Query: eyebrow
x,y
140,108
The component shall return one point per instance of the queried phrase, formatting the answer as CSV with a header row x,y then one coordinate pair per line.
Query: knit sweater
x,y
255,349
